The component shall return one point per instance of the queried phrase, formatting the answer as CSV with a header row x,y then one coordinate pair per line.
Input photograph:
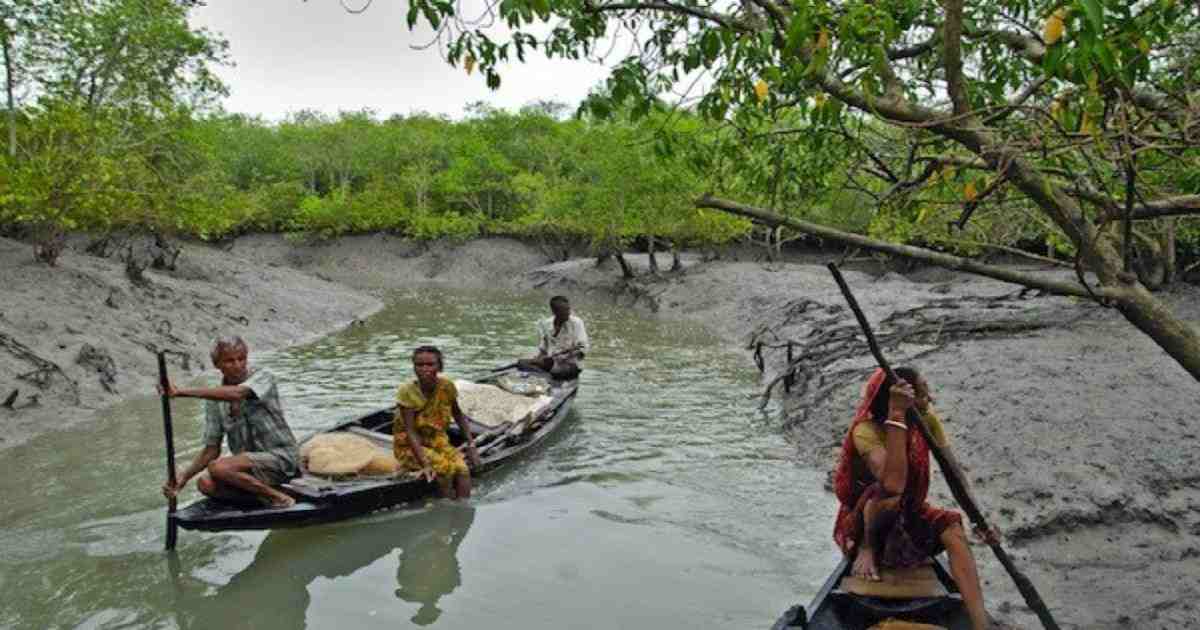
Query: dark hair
x,y
559,299
430,350
879,406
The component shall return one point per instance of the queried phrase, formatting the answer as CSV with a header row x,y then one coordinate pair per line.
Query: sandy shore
x,y
1076,430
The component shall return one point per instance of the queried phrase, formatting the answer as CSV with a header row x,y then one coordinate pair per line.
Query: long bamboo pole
x,y
172,532
954,476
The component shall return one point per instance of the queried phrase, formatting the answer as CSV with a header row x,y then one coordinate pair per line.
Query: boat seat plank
x,y
908,583
900,624
383,439
308,486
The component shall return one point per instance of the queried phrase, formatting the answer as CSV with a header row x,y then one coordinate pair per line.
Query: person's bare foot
x,y
864,565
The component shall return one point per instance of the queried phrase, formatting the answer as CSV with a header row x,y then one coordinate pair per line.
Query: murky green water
x,y
665,502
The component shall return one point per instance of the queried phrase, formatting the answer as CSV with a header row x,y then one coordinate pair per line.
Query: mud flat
x,y
1077,432
81,336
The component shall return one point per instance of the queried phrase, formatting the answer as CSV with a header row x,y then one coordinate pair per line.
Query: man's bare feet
x,y
864,565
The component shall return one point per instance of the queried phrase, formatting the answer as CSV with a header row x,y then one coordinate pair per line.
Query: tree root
x,y
44,370
831,341
215,310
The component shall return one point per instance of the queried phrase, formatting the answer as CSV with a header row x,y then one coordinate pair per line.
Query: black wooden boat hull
x,y
833,609
346,500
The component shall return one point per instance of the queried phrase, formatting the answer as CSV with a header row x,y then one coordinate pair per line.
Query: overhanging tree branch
x,y
667,7
907,251
1180,205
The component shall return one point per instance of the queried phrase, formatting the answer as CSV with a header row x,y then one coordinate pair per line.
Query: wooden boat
x,y
924,595
322,499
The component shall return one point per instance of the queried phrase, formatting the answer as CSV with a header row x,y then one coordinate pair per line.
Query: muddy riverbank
x,y
1075,429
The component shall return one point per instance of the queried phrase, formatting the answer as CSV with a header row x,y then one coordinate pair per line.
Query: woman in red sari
x,y
881,482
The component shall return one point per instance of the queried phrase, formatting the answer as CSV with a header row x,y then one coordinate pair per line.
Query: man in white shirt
x,y
562,342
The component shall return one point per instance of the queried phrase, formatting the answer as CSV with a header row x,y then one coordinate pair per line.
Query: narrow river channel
x,y
666,501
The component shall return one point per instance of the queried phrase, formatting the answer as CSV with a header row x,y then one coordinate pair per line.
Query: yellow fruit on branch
x,y
823,40
760,90
1055,25
969,192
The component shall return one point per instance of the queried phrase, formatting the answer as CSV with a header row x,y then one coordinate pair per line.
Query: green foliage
x,y
838,111
527,174
771,128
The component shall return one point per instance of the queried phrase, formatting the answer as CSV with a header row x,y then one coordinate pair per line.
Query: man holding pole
x,y
562,342
244,408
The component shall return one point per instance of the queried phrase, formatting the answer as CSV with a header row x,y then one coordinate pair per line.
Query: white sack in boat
x,y
344,454
492,406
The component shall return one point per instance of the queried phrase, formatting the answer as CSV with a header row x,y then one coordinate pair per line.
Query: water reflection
x,y
429,563
274,590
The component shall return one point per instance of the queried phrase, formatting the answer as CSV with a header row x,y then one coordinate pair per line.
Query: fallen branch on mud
x,y
1119,289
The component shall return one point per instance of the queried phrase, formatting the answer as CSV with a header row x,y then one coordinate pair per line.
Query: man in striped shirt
x,y
245,410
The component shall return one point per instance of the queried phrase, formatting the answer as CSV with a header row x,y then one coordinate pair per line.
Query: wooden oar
x,y
492,372
166,413
484,441
496,370
954,476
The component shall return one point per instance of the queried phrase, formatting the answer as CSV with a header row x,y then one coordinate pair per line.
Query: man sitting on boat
x,y
244,408
881,482
420,442
562,342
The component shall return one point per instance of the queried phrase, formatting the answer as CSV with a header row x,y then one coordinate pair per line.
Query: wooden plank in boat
x,y
900,624
383,439
909,583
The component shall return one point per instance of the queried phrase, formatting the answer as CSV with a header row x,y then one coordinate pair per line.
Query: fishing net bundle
x,y
345,454
492,406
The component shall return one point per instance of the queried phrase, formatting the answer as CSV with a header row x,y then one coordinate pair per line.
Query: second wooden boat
x,y
322,499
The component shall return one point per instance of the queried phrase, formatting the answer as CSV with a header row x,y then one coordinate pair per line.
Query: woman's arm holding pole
x,y
955,478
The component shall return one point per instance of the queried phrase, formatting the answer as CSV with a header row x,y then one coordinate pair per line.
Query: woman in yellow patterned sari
x,y
424,409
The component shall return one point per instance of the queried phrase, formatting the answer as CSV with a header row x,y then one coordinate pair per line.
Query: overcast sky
x,y
293,55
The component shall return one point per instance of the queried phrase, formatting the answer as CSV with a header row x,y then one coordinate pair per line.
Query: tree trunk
x,y
653,256
603,258
10,87
767,244
626,270
1145,312
676,264
1169,254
